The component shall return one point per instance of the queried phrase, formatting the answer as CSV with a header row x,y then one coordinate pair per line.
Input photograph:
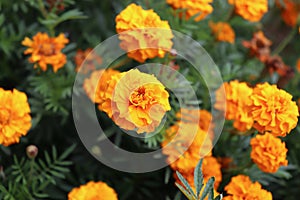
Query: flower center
x,y
47,49
140,97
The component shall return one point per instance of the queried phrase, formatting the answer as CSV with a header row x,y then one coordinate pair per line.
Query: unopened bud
x,y
32,151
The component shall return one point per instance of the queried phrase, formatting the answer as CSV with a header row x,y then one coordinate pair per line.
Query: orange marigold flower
x,y
298,65
139,102
99,88
15,120
222,31
273,110
236,104
268,152
289,12
259,46
46,50
202,8
212,168
252,11
93,190
141,43
90,58
201,145
204,120
241,187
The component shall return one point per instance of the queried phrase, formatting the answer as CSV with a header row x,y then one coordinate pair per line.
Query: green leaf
x,y
185,183
185,192
198,177
209,186
67,152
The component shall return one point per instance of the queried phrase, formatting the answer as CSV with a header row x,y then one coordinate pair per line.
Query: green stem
x,y
42,8
285,42
31,170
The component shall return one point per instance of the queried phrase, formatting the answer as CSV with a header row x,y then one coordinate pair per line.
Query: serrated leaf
x,y
185,192
198,177
185,183
209,186
67,152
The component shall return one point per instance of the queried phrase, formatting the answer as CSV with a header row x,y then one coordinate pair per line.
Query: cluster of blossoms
x,y
269,110
134,100
46,50
93,190
241,187
15,119
178,143
265,107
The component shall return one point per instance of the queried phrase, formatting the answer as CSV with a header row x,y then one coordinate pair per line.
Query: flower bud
x,y
32,151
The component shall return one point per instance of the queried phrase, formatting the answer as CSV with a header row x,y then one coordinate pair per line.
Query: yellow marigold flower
x,y
15,120
136,43
252,11
268,152
241,187
193,7
103,88
236,104
92,191
222,31
289,12
139,102
273,110
90,59
46,50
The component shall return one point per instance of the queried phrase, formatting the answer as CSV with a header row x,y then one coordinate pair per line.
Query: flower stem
x,y
285,42
42,8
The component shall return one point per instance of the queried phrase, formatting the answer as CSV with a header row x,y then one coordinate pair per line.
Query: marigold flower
x,y
100,86
276,64
212,168
236,104
298,65
139,102
268,152
148,35
201,145
259,46
289,12
90,59
204,120
202,8
222,31
252,11
241,187
46,50
273,110
93,190
15,120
